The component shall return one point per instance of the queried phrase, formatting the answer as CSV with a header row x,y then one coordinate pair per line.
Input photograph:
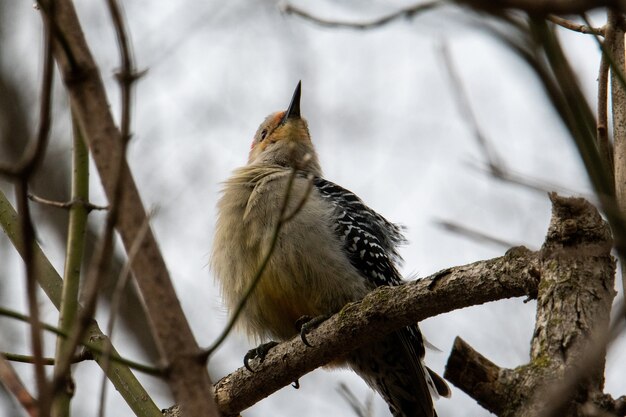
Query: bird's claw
x,y
259,352
307,323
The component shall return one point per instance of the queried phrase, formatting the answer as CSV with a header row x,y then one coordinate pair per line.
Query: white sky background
x,y
383,117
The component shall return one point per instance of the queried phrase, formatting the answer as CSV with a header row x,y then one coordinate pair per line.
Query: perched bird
x,y
329,249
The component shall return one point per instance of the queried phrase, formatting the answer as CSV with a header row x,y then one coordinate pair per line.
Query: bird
x,y
306,247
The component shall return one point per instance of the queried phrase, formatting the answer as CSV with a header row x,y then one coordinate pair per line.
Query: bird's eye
x,y
263,134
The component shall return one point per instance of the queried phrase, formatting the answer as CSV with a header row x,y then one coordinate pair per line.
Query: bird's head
x,y
284,139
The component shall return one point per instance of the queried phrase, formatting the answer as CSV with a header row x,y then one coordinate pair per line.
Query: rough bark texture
x,y
471,371
615,42
379,313
566,367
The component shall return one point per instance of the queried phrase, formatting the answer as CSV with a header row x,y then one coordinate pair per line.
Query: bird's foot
x,y
259,352
307,323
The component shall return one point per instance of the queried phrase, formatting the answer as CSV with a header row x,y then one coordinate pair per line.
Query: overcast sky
x,y
383,116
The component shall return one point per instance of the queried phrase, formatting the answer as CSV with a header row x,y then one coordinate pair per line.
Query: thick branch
x,y
188,377
544,7
379,313
573,305
472,372
618,101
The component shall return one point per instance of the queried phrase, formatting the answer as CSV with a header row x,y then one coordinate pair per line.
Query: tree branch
x,y
618,101
379,313
472,372
13,384
187,377
573,308
576,27
119,374
543,7
407,13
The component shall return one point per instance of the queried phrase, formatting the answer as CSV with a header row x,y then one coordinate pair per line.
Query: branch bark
x,y
544,7
573,308
574,300
618,100
379,313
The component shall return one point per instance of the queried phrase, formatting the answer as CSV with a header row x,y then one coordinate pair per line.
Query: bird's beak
x,y
293,112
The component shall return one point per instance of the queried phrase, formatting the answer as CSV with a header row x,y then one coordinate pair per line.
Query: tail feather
x,y
440,384
393,367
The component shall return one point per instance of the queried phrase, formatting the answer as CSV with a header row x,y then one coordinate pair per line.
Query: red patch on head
x,y
278,117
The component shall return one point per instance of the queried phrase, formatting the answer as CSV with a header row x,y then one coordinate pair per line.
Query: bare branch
x,y
618,101
379,313
494,161
407,13
602,130
28,236
188,378
543,7
359,408
21,173
13,384
576,27
85,355
94,348
473,234
573,306
119,373
475,374
127,75
35,151
116,300
66,204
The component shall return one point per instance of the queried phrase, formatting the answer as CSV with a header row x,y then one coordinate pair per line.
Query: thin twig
x,y
21,173
74,257
576,27
615,67
147,369
604,146
407,13
473,234
36,149
31,294
13,384
101,261
116,300
98,269
66,204
307,192
359,408
534,184
282,219
189,379
495,162
127,76
84,355
51,283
